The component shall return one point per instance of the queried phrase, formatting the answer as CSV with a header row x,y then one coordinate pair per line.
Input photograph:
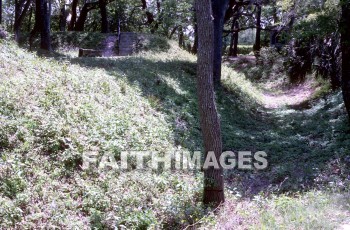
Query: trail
x,y
292,97
305,139
276,94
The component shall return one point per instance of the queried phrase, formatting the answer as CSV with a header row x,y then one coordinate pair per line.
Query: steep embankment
x,y
54,111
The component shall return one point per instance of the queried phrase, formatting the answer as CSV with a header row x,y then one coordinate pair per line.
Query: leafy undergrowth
x,y
68,43
65,41
54,110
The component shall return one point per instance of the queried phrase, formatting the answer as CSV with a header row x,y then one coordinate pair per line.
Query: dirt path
x,y
292,97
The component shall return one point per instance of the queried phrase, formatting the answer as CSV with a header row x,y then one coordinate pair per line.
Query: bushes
x,y
153,43
299,62
245,49
316,47
55,112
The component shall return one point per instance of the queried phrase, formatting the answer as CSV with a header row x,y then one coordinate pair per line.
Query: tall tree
x,y
80,24
149,15
233,52
0,11
104,16
181,37
74,15
45,42
42,24
21,8
257,45
219,8
234,12
345,47
195,42
210,123
63,18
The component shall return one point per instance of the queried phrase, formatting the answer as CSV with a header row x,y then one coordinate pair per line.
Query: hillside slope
x,y
54,110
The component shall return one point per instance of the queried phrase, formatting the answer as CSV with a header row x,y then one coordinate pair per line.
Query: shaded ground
x,y
292,97
299,143
109,46
276,93
149,102
245,60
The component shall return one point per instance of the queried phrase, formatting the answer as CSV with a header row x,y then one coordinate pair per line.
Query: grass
x,y
65,41
52,110
243,50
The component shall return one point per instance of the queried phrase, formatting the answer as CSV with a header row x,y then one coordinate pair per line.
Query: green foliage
x,y
316,45
52,112
245,49
70,40
153,43
314,210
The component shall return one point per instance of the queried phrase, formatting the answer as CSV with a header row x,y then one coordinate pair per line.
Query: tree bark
x,y
181,37
233,51
219,9
45,26
21,9
63,19
74,15
173,32
210,123
234,39
345,48
149,15
257,45
273,38
80,24
30,18
37,23
42,24
104,16
194,49
274,14
0,11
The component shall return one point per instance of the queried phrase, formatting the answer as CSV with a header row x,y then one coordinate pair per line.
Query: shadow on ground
x,y
302,146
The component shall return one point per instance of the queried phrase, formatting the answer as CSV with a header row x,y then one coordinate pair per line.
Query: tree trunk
x,y
21,9
37,23
257,45
181,37
149,15
219,9
63,19
235,45
173,32
194,49
345,48
45,25
234,39
104,16
210,124
30,18
80,24
273,38
42,24
0,11
74,15
274,15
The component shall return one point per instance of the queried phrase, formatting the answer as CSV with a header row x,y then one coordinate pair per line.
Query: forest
x,y
175,114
